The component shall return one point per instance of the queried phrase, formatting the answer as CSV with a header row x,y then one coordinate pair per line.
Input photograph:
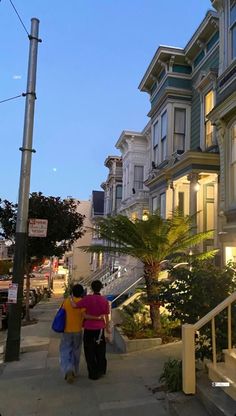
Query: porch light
x,y
197,187
145,216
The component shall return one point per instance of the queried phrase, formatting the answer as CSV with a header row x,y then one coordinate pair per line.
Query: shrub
x,y
191,294
172,375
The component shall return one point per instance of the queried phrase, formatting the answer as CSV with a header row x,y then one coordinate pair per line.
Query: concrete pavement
x,y
35,386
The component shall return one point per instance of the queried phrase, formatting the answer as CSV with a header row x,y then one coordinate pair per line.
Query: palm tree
x,y
151,241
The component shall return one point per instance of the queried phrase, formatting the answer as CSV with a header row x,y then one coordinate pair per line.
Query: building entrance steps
x,y
37,386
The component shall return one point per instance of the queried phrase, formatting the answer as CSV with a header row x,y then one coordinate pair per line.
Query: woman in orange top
x,y
71,342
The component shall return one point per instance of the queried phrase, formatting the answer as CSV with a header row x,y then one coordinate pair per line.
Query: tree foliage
x,y
65,224
191,294
152,241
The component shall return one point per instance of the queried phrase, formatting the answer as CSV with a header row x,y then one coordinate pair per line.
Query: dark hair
x,y
96,286
77,290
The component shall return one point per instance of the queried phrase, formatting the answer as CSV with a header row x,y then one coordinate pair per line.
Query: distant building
x,y
79,262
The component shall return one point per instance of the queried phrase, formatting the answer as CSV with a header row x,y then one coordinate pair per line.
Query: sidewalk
x,y
34,385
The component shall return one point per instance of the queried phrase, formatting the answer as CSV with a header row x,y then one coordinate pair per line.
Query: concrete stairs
x,y
225,372
208,401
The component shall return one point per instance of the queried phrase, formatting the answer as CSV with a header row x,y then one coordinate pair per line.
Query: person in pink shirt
x,y
94,338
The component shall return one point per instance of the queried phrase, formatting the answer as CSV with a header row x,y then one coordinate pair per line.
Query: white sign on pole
x,y
37,227
12,292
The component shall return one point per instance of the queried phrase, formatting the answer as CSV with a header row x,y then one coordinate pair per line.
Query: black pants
x,y
95,353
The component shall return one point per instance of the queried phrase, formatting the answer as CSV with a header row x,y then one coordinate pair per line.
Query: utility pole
x,y
15,309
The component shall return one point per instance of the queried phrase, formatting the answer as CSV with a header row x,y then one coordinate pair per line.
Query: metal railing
x,y
188,339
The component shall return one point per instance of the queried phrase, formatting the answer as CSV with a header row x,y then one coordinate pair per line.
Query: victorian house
x,y
223,119
185,162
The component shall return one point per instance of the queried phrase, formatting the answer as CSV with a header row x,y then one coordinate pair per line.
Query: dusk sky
x,y
93,55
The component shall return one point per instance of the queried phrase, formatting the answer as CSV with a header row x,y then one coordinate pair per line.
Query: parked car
x,y
5,277
4,307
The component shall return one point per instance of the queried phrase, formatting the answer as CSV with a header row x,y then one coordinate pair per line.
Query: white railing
x,y
188,339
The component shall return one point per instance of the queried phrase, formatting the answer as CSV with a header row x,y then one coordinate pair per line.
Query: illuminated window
x,y
208,106
163,136
179,129
230,254
209,207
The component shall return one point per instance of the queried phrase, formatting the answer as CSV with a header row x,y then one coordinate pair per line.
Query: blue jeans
x,y
70,350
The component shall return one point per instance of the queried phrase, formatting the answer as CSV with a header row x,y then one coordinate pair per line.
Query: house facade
x,y
134,148
113,185
185,161
186,155
223,118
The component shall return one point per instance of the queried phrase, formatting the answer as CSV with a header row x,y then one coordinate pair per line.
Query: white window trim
x,y
187,108
230,200
229,34
202,117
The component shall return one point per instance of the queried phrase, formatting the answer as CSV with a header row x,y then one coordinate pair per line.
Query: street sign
x,y
37,227
12,293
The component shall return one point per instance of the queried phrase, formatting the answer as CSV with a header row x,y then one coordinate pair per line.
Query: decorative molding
x,y
153,77
201,44
189,62
172,60
218,4
163,64
205,79
215,23
193,177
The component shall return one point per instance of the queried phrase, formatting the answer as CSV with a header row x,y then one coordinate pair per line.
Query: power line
x,y
19,17
12,98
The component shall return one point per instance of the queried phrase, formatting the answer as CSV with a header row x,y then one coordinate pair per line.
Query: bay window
x,y
208,106
233,163
163,136
179,129
155,140
138,177
233,29
163,205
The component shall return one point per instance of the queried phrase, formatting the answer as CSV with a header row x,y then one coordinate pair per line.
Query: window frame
x,y
155,143
183,110
162,194
206,121
232,30
164,137
138,181
232,165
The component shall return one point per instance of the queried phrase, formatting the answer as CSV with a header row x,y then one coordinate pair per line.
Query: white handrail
x,y
219,308
136,281
188,338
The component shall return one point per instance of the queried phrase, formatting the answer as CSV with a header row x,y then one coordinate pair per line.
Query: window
x,y
181,202
209,217
233,163
155,140
179,129
163,136
208,106
154,204
118,195
233,29
163,205
138,177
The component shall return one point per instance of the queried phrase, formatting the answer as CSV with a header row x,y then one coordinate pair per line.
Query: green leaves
x,y
151,241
